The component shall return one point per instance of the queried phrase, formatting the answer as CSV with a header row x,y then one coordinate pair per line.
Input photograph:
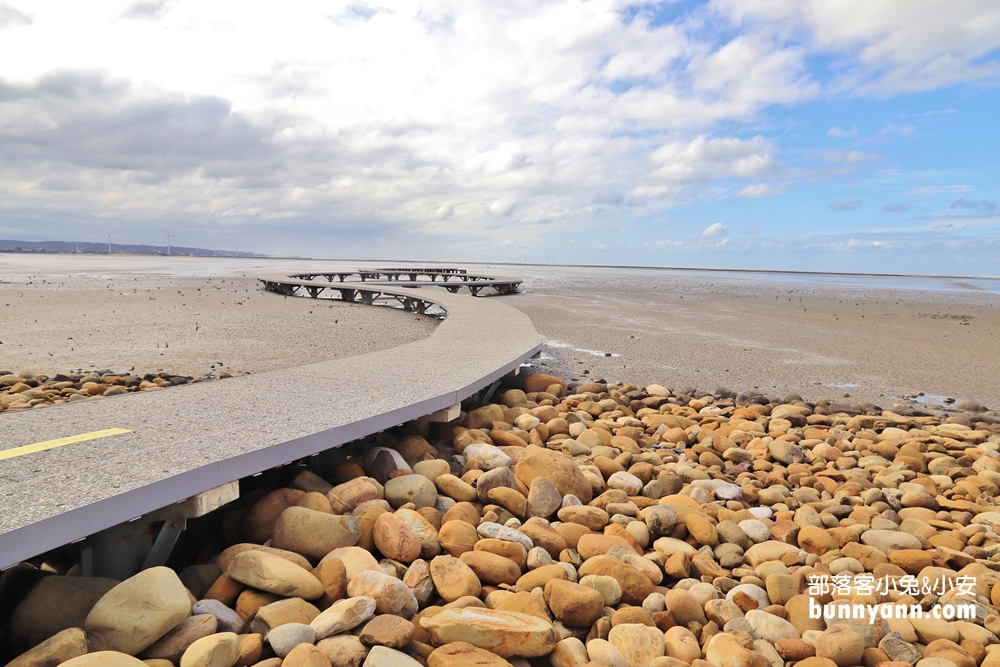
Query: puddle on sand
x,y
929,399
562,345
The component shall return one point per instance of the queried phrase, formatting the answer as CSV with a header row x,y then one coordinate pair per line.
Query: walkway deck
x,y
192,438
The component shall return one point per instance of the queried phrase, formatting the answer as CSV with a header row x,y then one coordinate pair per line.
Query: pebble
x,y
172,645
226,619
343,650
464,654
573,604
343,615
840,644
504,633
305,655
453,579
267,572
415,489
286,637
104,659
660,519
388,630
382,656
498,532
724,650
610,590
27,390
604,652
391,595
394,539
640,644
218,650
543,499
59,648
626,482
138,611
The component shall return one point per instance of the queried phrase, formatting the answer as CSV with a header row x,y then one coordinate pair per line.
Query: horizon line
x,y
805,272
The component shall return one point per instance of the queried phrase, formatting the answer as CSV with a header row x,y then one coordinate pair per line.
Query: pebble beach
x,y
594,524
579,518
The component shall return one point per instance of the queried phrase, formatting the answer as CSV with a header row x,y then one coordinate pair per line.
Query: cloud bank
x,y
433,123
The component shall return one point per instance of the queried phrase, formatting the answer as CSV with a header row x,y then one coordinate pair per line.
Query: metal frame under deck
x,y
379,283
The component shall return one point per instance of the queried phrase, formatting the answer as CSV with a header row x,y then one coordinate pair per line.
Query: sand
x,y
65,313
867,339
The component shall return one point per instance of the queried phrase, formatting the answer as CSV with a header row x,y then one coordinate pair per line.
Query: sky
x,y
826,135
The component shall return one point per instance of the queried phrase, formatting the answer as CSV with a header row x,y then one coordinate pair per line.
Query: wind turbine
x,y
109,240
167,239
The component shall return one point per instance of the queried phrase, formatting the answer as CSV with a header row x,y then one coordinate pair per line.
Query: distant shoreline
x,y
412,262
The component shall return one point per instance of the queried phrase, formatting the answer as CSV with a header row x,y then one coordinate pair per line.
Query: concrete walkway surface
x,y
192,438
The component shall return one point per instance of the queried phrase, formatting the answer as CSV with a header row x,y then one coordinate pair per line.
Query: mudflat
x,y
185,316
863,338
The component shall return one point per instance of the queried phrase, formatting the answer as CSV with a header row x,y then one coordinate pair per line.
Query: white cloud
x,y
849,157
886,47
938,189
752,71
703,158
759,191
846,205
715,229
839,132
904,130
397,119
11,17
857,156
445,211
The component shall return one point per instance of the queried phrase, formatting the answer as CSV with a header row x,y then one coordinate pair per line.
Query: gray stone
x,y
227,619
898,649
660,519
543,498
494,479
498,532
286,637
729,491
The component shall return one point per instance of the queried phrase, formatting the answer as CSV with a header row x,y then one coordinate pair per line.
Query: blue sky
x,y
839,135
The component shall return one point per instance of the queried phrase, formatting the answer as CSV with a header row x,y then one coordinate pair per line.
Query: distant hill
x,y
116,248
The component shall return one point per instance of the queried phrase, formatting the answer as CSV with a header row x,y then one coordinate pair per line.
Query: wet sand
x,y
61,313
863,338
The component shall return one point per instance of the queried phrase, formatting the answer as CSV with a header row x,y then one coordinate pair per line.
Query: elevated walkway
x,y
361,284
188,440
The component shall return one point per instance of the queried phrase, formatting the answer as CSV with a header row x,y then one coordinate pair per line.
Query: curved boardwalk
x,y
368,284
196,437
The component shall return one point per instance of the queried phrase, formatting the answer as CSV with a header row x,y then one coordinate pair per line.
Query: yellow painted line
x,y
60,442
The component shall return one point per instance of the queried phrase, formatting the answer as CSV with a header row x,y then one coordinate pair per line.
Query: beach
x,y
184,316
869,339
594,522
866,339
